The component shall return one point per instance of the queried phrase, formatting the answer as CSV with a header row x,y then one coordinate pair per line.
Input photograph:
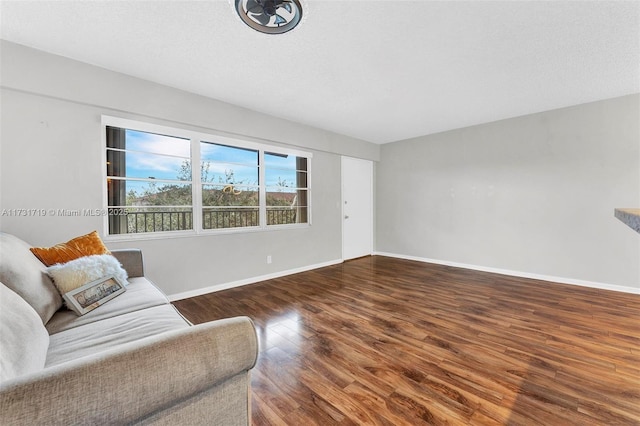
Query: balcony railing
x,y
229,218
156,221
212,218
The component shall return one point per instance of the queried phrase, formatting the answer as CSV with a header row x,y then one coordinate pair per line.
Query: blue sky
x,y
162,157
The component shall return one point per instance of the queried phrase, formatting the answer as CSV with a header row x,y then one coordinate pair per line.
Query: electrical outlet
x,y
269,259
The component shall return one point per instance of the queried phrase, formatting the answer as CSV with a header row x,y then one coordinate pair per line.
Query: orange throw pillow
x,y
84,245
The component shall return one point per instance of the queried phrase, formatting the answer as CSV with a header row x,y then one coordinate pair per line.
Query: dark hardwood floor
x,y
383,341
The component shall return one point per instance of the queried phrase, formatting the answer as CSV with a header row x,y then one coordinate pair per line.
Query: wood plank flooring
x,y
384,341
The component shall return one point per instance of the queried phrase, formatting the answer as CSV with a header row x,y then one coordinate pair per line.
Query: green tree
x,y
185,171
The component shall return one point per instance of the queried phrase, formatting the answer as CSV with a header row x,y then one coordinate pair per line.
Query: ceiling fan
x,y
270,16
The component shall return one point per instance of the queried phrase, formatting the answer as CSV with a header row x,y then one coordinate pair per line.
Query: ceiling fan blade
x,y
256,10
286,6
262,18
251,4
280,20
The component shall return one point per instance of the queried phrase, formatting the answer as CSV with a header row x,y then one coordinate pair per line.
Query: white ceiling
x,y
380,71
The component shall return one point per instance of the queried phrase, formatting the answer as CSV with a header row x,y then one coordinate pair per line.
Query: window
x,y
286,188
148,182
154,186
230,186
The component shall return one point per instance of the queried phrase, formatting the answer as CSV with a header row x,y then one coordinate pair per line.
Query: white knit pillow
x,y
76,273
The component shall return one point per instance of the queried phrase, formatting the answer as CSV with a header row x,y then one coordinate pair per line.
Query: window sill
x,y
205,232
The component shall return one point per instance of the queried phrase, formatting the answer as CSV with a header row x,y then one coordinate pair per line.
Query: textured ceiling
x,y
380,71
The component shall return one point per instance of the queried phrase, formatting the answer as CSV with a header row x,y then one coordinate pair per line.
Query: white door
x,y
357,208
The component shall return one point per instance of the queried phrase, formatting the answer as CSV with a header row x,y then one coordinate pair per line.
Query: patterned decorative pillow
x,y
76,273
84,245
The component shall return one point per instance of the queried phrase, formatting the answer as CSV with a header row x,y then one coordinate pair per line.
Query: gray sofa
x,y
133,360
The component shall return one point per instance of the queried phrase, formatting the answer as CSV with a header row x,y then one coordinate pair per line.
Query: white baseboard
x,y
225,286
560,280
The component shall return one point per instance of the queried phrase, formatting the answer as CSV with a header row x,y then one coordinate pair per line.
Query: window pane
x,y
152,203
213,152
148,207
285,171
284,215
230,206
286,189
146,193
230,195
230,191
134,140
284,161
229,217
147,166
280,178
286,206
133,220
227,173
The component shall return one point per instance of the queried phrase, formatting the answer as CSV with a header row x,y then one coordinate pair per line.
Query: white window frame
x,y
196,187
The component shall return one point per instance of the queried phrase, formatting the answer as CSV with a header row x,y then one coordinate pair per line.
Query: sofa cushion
x,y
141,294
84,245
23,339
98,336
78,272
23,273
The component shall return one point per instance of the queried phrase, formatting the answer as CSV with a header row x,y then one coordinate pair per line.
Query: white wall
x,y
531,195
50,158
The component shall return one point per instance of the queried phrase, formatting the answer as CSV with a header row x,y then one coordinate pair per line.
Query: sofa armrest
x,y
127,384
131,260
